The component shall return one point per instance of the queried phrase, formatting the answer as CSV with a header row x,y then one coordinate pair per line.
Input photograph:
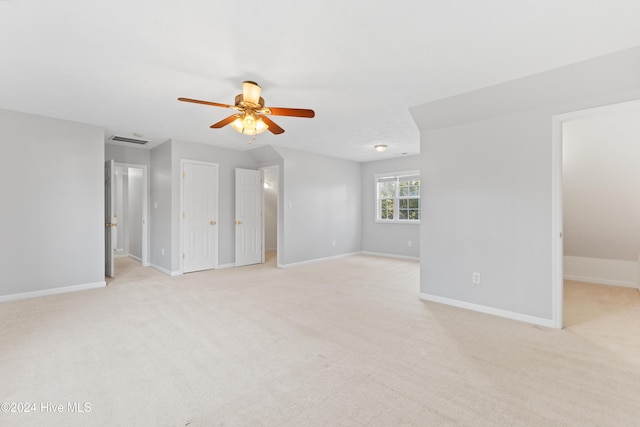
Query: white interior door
x,y
109,218
248,217
199,216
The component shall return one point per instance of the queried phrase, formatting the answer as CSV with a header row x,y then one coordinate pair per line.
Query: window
x,y
398,197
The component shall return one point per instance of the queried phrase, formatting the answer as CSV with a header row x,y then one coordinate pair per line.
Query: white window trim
x,y
395,203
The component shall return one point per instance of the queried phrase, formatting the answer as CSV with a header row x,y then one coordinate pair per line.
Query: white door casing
x,y
248,217
199,216
109,218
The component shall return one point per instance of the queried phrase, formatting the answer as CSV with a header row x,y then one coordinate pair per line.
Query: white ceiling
x,y
359,64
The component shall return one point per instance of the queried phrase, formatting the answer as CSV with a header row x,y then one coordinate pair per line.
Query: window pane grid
x,y
398,198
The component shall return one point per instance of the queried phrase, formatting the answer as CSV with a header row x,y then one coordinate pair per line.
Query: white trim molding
x,y
53,291
557,245
412,258
549,323
601,271
317,260
165,271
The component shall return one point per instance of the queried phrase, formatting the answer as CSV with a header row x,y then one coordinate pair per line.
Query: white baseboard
x,y
413,258
144,264
600,281
603,271
179,273
317,260
52,291
165,271
489,310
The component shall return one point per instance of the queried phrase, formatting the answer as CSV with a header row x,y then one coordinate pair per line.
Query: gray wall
x,y
321,204
487,168
487,209
51,181
389,239
161,207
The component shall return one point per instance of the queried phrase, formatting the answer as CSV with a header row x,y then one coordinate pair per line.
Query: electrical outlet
x,y
333,243
162,250
475,278
410,243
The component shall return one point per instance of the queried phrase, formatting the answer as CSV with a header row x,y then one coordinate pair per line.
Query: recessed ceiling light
x,y
380,148
138,135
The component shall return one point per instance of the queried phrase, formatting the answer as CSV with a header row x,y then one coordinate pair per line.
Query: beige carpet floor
x,y
340,343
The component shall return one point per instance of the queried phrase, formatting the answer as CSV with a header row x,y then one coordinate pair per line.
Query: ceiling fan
x,y
251,117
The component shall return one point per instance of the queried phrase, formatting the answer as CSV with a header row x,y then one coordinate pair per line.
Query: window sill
x,y
382,221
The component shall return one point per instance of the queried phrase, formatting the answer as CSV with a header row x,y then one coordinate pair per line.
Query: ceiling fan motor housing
x,y
240,102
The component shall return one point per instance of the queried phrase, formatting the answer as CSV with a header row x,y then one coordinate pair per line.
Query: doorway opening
x,y
126,196
584,257
130,206
270,215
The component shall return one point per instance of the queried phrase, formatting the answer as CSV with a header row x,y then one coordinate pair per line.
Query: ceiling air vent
x,y
129,140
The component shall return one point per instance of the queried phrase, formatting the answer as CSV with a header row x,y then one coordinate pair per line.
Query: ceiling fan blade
x,y
273,127
223,122
293,112
215,104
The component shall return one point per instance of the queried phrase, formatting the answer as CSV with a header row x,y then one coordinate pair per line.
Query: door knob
x,y
238,222
212,222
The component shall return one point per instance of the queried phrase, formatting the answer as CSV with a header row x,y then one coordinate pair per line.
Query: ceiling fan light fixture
x,y
237,123
249,124
261,126
380,148
251,92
